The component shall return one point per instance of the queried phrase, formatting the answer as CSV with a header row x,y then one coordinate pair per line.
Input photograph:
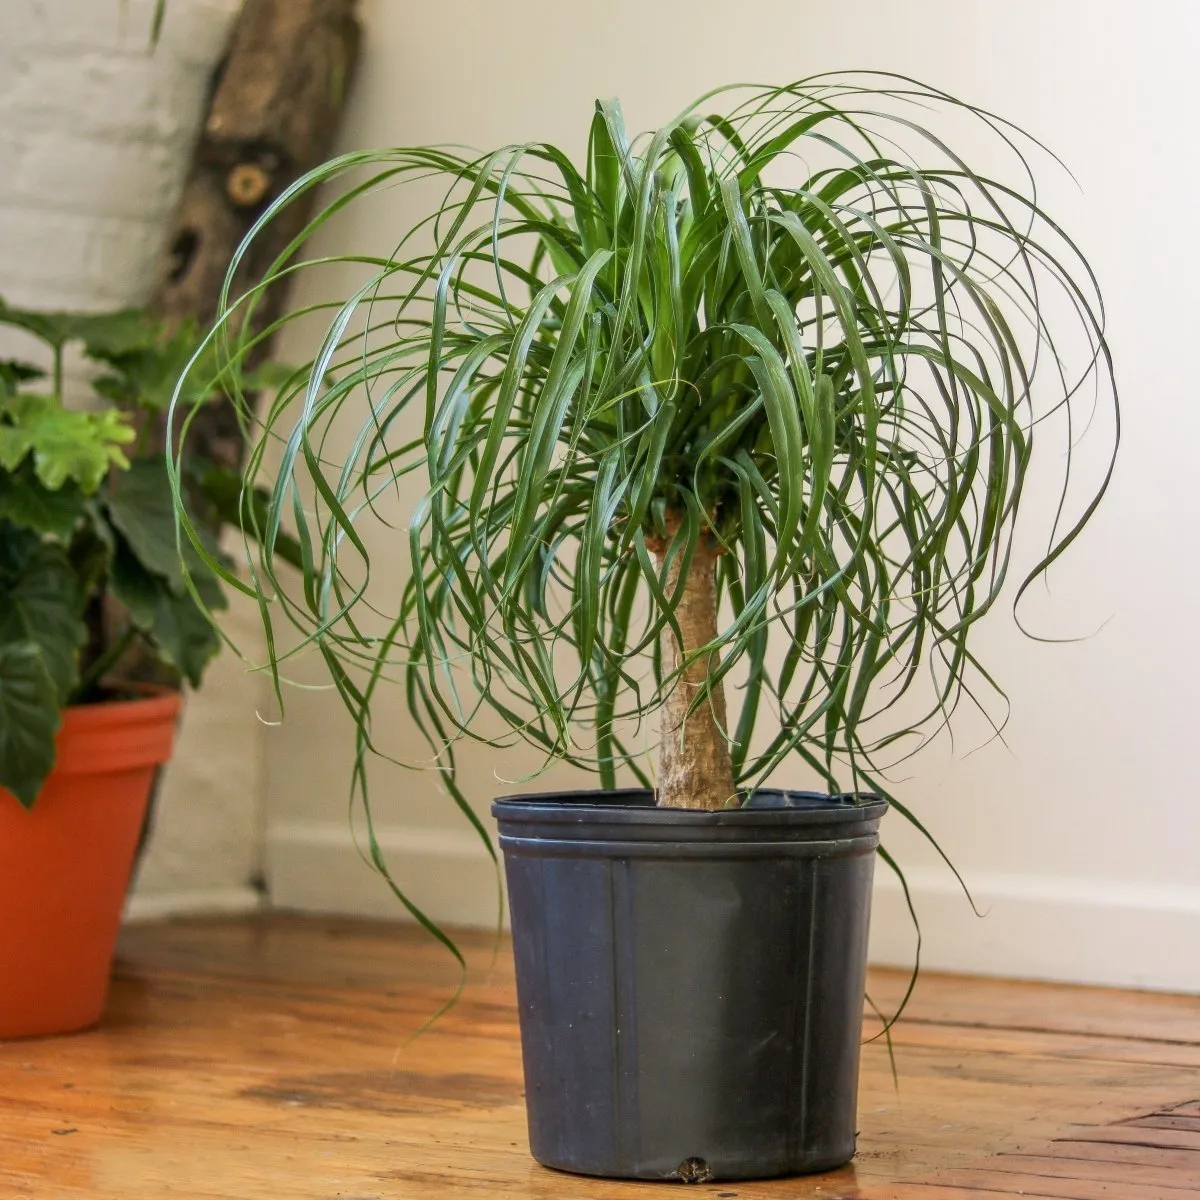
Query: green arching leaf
x,y
29,717
801,327
683,143
563,376
156,24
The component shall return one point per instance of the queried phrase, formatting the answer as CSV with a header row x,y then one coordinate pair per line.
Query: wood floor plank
x,y
1034,1184
1166,1121
1127,1135
1112,1152
274,1058
1040,1044
927,1191
1065,1167
1017,1005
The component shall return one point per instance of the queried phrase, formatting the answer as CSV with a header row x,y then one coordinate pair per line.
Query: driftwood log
x,y
276,102
274,107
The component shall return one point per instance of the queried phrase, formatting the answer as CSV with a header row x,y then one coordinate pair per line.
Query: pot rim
x,y
635,807
156,700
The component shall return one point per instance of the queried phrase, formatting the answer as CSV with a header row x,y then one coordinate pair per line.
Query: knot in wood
x,y
247,184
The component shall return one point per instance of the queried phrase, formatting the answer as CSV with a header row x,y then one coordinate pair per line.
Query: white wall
x,y
96,136
1080,836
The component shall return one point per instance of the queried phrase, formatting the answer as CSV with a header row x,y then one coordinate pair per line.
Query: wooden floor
x,y
271,1059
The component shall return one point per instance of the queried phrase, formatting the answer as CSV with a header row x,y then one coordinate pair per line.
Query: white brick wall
x,y
95,140
95,136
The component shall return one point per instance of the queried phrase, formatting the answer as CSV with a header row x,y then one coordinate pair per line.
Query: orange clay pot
x,y
65,864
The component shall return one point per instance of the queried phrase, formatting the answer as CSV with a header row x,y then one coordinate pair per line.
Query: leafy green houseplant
x,y
98,633
742,410
90,569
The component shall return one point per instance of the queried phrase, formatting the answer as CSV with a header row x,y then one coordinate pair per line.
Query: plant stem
x,y
694,767
106,661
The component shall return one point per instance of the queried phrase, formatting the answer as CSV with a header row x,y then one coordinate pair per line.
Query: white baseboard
x,y
1034,927
1117,934
316,866
204,902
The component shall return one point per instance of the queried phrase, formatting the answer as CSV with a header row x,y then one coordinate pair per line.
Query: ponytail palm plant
x,y
719,437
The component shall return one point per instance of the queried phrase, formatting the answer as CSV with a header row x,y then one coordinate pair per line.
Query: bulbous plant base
x,y
690,983
65,864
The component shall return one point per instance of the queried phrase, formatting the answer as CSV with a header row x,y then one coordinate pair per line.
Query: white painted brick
x,y
196,33
95,136
13,148
43,246
138,179
193,33
104,95
51,26
97,131
121,255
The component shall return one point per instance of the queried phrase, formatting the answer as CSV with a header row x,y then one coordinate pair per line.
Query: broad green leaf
x,y
145,360
55,329
140,505
92,548
17,546
26,502
136,588
29,717
176,625
152,365
185,635
118,332
222,488
64,444
113,337
146,374
13,373
40,603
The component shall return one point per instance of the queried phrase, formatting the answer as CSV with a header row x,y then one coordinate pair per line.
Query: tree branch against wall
x,y
277,101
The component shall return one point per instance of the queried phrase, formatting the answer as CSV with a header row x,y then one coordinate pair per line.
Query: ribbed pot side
x,y
690,983
65,863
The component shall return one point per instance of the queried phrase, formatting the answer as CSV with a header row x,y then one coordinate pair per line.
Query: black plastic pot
x,y
690,983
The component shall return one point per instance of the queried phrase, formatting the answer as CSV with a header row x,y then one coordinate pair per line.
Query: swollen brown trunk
x,y
694,770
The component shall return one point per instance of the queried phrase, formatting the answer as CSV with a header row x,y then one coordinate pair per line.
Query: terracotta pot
x,y
65,864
